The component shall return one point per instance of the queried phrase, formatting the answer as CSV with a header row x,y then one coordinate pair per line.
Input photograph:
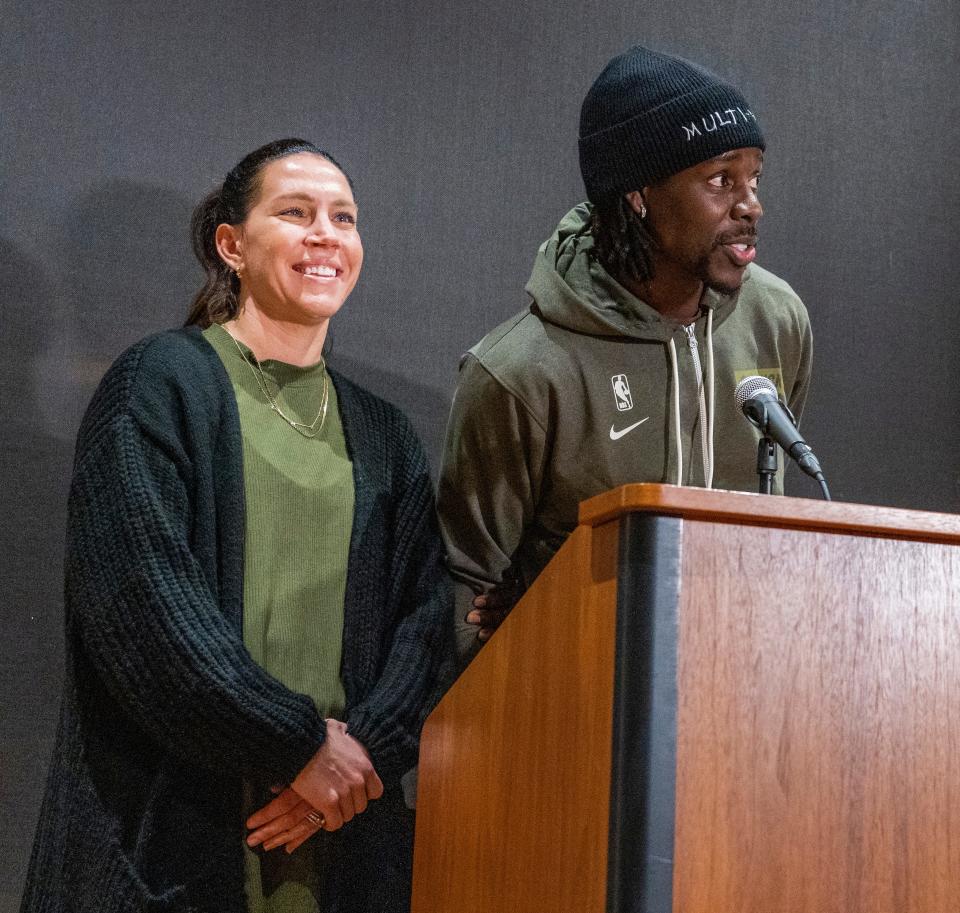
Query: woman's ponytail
x,y
216,302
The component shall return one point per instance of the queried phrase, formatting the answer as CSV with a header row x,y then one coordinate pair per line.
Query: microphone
x,y
758,398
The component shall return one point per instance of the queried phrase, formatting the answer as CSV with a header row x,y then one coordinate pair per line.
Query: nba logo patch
x,y
621,392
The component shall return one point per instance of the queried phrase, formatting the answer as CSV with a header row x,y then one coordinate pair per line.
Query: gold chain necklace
x,y
308,431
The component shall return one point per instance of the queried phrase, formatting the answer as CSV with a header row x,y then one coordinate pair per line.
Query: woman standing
x,y
256,609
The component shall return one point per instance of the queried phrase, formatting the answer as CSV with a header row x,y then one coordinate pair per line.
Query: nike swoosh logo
x,y
616,435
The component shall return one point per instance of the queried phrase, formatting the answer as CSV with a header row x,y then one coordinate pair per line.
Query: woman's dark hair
x,y
217,301
622,242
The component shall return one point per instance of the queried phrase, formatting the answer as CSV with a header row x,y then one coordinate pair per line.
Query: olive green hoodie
x,y
579,393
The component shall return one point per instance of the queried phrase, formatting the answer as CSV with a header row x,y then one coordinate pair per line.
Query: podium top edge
x,y
770,510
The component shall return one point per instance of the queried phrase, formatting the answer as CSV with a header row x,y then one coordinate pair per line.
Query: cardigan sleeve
x,y
144,617
419,658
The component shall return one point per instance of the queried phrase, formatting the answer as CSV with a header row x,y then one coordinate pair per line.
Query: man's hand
x,y
336,784
491,608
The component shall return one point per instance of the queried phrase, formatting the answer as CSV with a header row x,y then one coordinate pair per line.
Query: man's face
x,y
705,219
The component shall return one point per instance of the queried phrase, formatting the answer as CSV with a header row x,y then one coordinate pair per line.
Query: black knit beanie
x,y
650,115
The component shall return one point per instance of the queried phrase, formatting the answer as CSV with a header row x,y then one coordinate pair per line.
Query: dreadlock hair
x,y
231,202
623,244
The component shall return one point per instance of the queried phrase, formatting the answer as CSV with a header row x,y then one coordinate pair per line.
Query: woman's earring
x,y
643,211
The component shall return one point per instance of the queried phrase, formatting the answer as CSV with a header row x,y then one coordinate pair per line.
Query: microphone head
x,y
752,387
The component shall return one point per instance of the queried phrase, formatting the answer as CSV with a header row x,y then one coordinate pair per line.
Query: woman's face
x,y
298,251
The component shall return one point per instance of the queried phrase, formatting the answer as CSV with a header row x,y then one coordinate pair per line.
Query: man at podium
x,y
646,309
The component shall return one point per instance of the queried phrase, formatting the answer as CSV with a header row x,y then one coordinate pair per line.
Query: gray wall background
x,y
458,125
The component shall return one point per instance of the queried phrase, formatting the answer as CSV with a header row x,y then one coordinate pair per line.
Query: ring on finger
x,y
315,818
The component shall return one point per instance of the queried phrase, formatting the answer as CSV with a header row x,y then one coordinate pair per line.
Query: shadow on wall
x,y
35,471
129,271
135,269
426,407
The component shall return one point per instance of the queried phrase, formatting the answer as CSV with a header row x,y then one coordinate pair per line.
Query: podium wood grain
x,y
526,815
818,752
817,736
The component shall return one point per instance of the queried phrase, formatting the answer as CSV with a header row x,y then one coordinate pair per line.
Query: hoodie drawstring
x,y
676,411
711,411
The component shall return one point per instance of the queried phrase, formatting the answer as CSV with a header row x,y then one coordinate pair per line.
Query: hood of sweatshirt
x,y
571,289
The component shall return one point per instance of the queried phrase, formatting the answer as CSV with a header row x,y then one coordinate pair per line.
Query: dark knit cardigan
x,y
164,713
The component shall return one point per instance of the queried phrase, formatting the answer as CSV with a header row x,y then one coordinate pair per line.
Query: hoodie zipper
x,y
701,399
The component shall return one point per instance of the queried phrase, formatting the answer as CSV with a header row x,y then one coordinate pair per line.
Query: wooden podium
x,y
709,703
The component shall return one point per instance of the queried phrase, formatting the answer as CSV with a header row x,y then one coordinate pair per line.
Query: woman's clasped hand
x,y
337,784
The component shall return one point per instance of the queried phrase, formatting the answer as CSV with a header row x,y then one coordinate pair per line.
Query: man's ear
x,y
230,245
637,202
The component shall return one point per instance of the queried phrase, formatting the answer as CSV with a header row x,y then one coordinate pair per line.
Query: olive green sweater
x,y
299,499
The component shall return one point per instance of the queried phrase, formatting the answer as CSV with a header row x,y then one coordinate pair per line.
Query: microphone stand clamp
x,y
768,463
